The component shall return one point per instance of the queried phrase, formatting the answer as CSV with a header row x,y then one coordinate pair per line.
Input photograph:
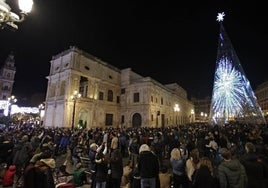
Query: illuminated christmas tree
x,y
232,98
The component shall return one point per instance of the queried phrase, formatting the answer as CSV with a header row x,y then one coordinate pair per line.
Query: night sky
x,y
170,41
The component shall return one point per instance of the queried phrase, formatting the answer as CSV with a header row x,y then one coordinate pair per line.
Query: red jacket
x,y
9,176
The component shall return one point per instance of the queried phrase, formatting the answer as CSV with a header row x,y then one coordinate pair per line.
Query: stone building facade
x,y
261,93
7,79
109,96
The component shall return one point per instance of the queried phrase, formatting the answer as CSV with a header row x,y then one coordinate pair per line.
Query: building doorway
x,y
136,120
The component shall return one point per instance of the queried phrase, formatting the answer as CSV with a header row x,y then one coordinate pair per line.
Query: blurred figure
x,y
22,153
44,173
165,178
80,177
93,150
116,166
231,172
127,170
9,176
101,170
178,165
148,167
204,175
256,169
191,163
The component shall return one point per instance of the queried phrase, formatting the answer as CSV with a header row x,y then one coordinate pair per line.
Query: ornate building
x,y
262,96
109,96
7,76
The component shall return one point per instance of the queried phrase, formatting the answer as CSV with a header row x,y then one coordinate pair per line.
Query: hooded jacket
x,y
9,176
232,174
43,173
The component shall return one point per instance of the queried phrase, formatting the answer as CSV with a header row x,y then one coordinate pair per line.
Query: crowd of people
x,y
186,156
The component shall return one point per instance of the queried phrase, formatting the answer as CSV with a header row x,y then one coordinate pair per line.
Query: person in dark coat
x,y
116,166
256,169
43,171
22,153
101,170
204,175
148,167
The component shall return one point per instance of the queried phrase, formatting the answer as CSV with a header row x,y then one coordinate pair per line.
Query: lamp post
x,y
176,109
11,101
9,19
74,97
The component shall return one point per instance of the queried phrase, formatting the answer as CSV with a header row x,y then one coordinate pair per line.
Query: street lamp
x,y
11,101
176,109
74,97
8,18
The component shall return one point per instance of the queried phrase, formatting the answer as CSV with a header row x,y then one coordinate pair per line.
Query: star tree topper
x,y
220,17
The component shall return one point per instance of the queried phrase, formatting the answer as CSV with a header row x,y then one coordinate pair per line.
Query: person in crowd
x,y
29,171
178,165
44,173
77,153
134,151
6,145
212,147
22,153
127,170
62,176
165,177
135,178
116,166
157,147
148,167
93,150
123,143
9,176
114,141
101,170
231,172
191,163
256,169
79,175
204,175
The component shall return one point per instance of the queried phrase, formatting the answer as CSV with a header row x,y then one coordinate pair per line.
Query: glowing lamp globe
x,y
25,5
